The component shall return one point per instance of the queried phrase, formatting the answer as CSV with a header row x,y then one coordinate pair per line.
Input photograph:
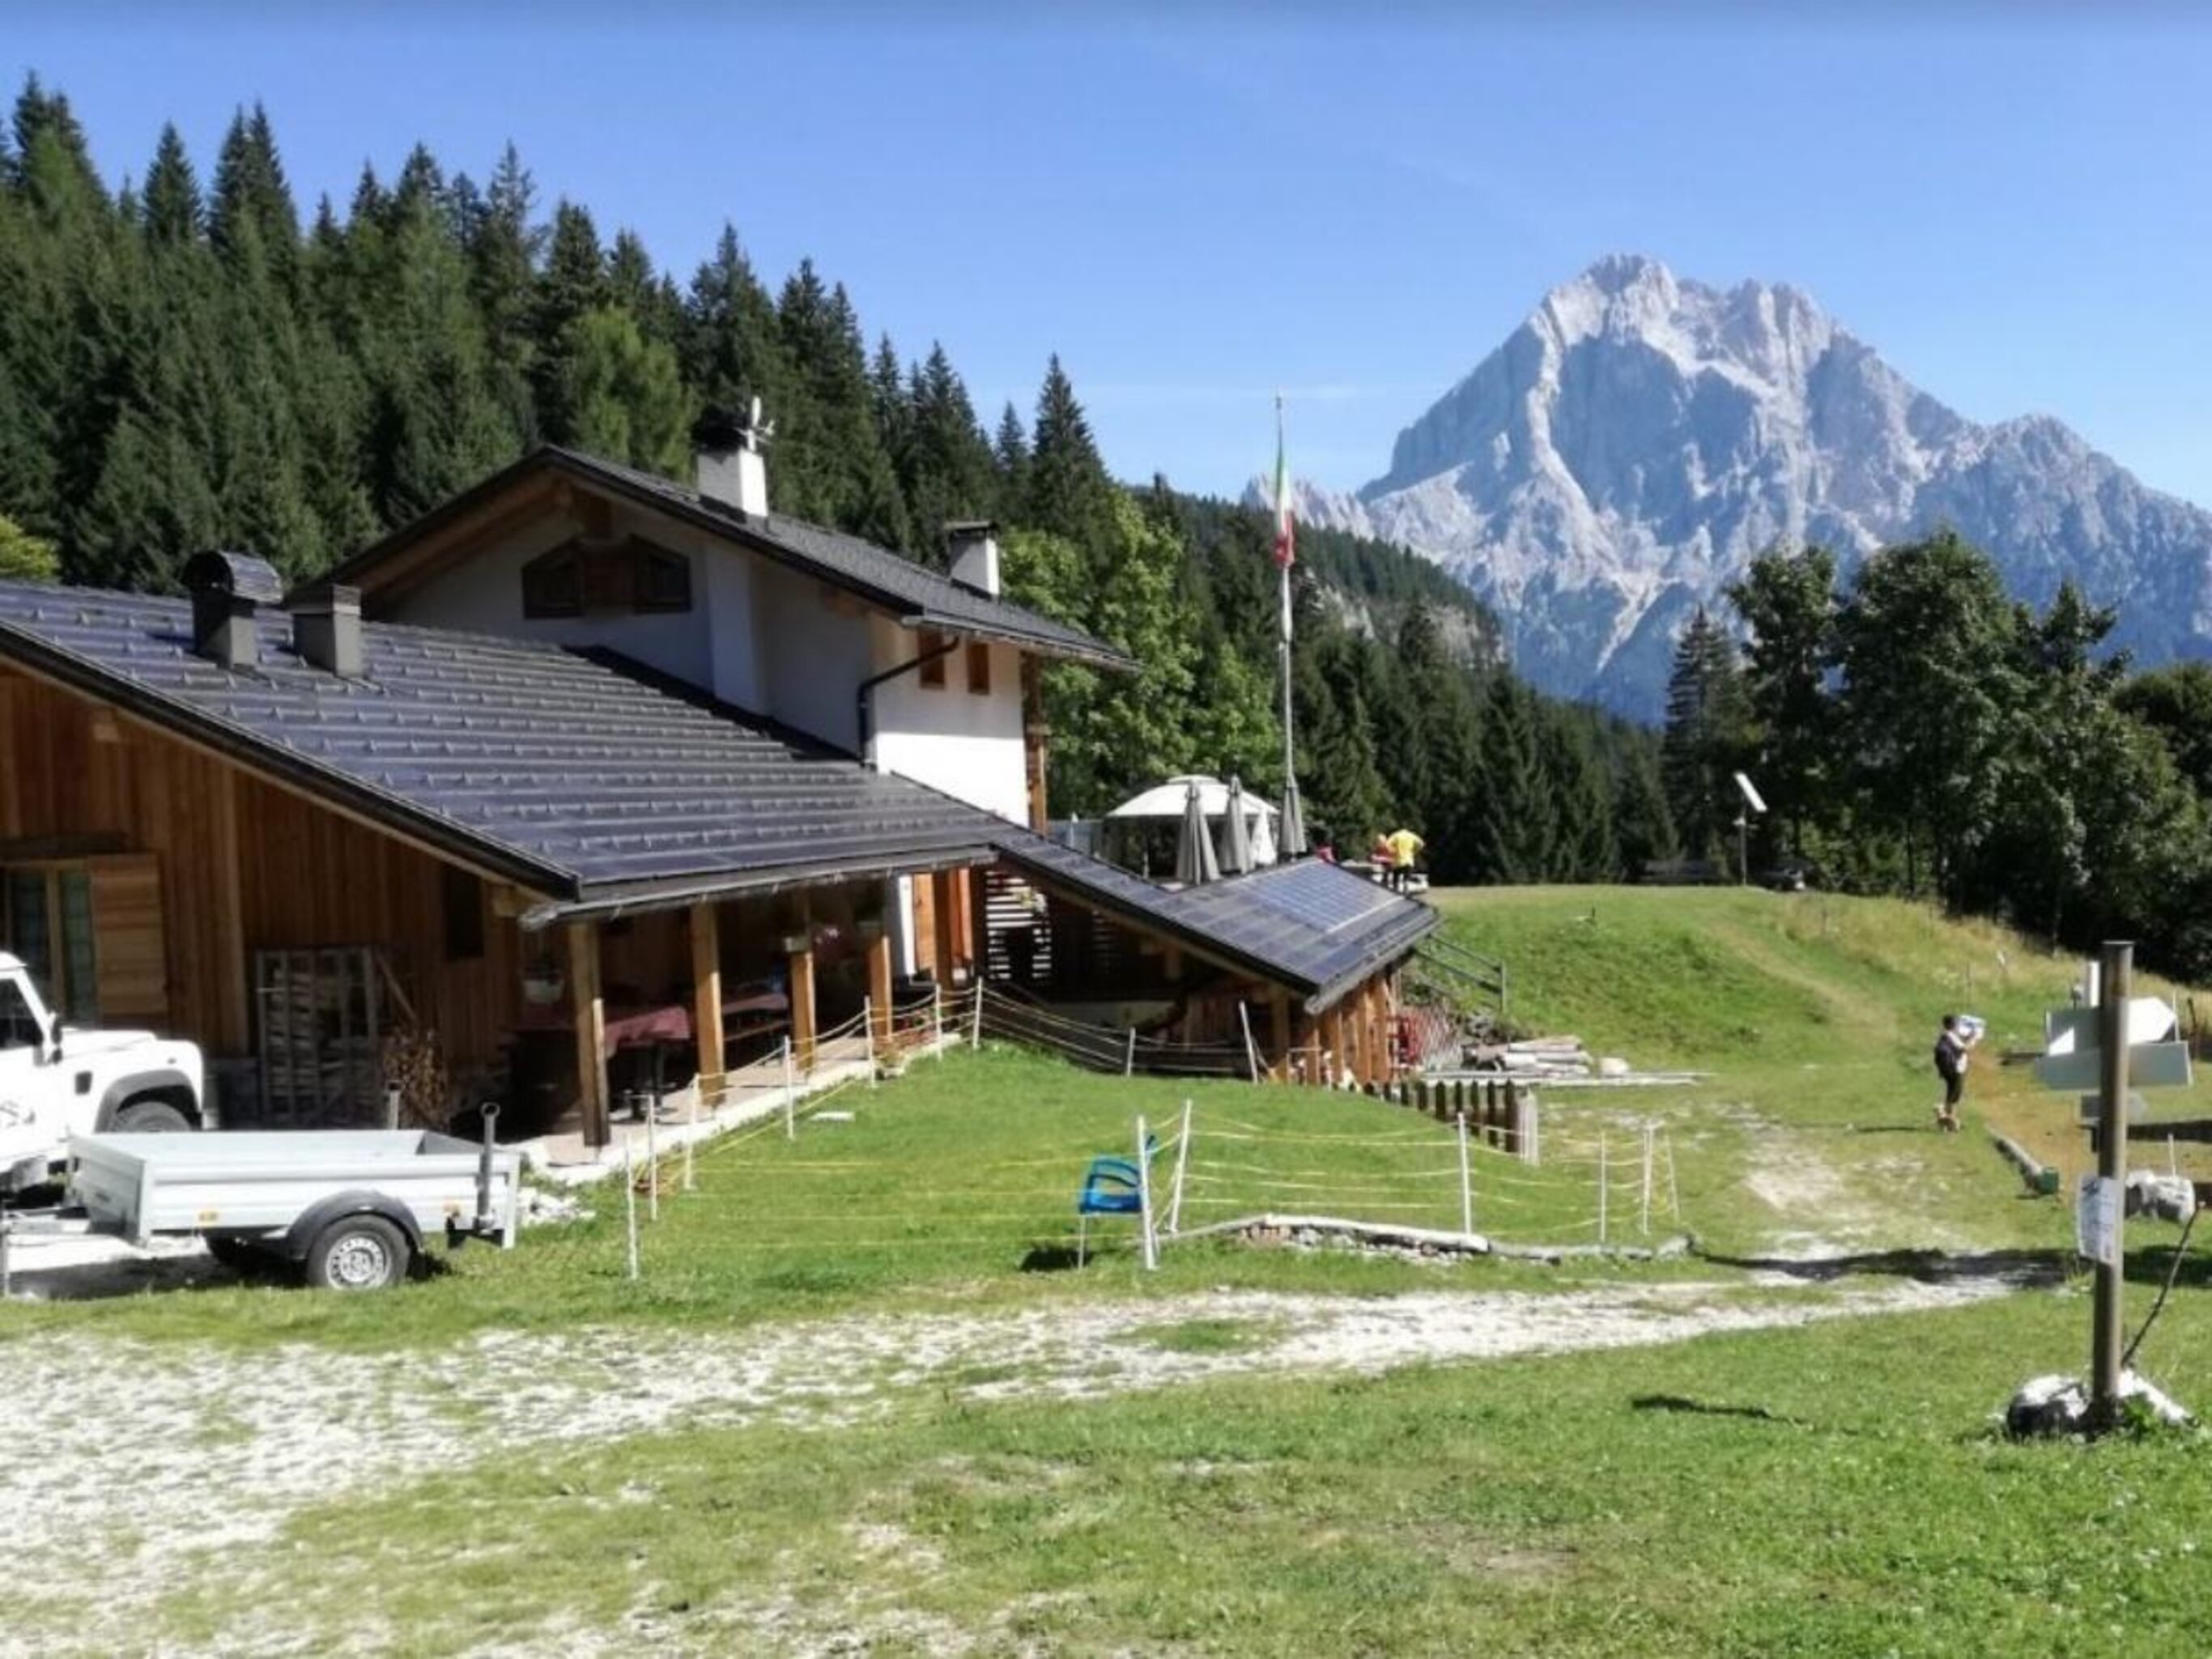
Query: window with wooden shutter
x,y
130,950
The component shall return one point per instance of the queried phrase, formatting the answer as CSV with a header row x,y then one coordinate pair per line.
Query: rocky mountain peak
x,y
1641,436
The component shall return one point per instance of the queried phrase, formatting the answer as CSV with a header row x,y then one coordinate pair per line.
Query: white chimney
x,y
731,468
973,548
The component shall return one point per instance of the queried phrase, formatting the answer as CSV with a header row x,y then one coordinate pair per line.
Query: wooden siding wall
x,y
75,774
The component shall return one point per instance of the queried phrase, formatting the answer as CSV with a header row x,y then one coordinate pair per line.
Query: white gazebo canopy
x,y
1170,800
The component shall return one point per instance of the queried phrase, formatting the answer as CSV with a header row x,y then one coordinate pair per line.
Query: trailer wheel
x,y
152,1117
358,1253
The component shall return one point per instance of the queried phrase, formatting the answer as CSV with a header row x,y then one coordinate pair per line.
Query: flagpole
x,y
1283,570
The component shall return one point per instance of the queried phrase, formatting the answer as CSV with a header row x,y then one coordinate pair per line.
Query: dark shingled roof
x,y
573,775
1309,925
920,597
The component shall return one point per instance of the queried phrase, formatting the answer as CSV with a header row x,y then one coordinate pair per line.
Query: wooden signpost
x,y
2132,1042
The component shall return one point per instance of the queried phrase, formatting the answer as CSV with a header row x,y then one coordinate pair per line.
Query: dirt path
x,y
149,1454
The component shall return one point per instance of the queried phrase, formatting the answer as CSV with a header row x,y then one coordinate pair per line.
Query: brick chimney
x,y
972,554
228,590
327,629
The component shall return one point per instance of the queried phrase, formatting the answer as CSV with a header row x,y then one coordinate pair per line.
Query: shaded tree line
x,y
194,361
1914,729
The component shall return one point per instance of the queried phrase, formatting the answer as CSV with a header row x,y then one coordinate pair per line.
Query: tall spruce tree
x,y
1705,738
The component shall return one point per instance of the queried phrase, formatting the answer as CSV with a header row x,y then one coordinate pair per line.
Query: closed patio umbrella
x,y
1195,861
1291,834
1236,836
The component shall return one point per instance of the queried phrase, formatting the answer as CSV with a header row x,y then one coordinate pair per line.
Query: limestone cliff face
x,y
1640,438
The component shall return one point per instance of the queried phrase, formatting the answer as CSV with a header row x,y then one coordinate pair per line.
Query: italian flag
x,y
1287,529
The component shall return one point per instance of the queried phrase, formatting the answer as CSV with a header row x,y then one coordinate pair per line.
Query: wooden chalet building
x,y
585,756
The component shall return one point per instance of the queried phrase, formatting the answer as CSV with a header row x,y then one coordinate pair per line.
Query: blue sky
x,y
1196,205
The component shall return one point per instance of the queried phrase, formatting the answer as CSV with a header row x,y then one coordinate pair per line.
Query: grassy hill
x,y
857,1403
1815,1015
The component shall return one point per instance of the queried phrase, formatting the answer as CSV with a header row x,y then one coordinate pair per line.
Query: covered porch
x,y
712,1004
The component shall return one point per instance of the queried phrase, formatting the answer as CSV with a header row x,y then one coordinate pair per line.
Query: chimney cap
x,y
967,529
240,575
323,596
719,430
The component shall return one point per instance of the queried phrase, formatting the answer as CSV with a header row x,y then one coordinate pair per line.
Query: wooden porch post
x,y
1332,1036
591,1011
707,995
1036,739
880,987
233,1021
801,948
1278,1002
944,912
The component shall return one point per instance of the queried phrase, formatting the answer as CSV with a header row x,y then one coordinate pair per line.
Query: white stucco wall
x,y
967,745
814,651
483,594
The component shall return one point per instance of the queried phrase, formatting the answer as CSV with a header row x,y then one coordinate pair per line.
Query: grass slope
x,y
1831,1490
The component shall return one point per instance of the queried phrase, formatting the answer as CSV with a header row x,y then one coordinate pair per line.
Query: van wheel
x,y
152,1117
358,1253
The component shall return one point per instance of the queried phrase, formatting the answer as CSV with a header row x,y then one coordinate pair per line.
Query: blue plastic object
x,y
1111,1186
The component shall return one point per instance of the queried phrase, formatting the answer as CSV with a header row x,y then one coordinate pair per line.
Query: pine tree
x,y
573,284
624,394
1010,462
1516,818
171,212
733,350
1069,494
1705,739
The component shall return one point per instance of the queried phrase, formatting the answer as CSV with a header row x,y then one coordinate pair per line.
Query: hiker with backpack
x,y
1953,1045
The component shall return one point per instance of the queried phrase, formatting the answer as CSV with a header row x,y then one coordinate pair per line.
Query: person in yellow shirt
x,y
1406,849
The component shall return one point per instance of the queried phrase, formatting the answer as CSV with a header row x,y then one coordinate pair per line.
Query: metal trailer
x,y
352,1210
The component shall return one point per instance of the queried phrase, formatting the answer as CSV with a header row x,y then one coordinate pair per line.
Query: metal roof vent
x,y
227,589
327,629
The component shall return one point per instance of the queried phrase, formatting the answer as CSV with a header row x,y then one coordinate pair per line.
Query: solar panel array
x,y
1309,925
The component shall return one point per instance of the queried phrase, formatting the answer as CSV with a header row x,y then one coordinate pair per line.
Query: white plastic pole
x,y
1251,1048
1129,1054
7,1264
1674,1192
790,1096
1601,1186
1144,1202
652,1158
629,1198
975,1034
1465,1183
689,1141
1644,1209
1182,1163
937,1016
868,1030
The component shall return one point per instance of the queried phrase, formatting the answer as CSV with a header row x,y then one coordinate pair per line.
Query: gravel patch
x,y
149,1454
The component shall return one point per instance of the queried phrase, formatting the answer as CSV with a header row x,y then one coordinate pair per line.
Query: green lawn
x,y
1832,1489
953,1185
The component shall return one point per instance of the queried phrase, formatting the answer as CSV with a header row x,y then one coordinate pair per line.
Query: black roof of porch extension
x,y
579,777
1311,926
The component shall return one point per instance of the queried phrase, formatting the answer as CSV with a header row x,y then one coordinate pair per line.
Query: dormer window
x,y
628,578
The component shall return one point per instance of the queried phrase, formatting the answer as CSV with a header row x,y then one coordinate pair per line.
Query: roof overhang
x,y
530,484
608,902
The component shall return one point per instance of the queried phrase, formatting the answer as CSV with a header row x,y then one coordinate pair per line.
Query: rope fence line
x,y
1611,1187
